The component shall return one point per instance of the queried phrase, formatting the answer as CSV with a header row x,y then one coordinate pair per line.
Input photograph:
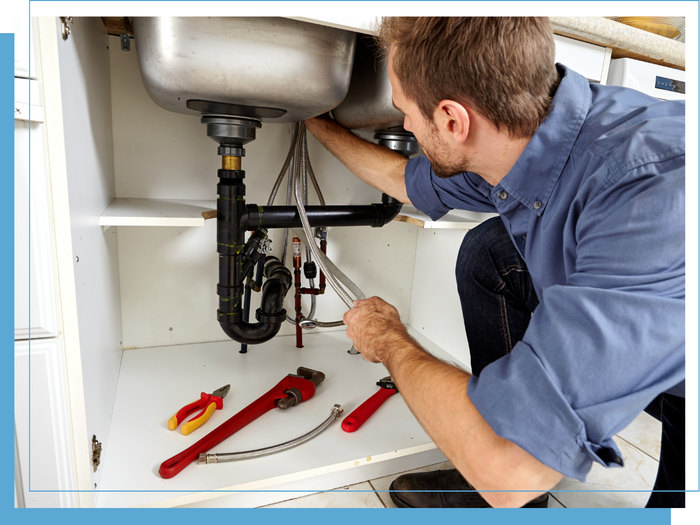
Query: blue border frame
x,y
7,220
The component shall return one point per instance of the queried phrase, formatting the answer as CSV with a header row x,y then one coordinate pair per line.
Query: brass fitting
x,y
231,163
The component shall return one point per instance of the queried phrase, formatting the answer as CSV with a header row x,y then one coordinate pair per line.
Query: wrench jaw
x,y
314,376
295,395
387,382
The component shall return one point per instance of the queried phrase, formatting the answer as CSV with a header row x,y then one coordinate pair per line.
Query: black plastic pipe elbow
x,y
387,210
271,313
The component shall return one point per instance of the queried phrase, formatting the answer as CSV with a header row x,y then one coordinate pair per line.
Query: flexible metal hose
x,y
332,280
285,167
336,411
293,161
297,164
300,131
334,272
304,164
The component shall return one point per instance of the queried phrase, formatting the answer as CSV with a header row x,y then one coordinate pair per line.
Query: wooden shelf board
x,y
156,212
462,220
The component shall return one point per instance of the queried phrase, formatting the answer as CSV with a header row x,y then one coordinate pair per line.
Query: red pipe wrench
x,y
358,416
291,391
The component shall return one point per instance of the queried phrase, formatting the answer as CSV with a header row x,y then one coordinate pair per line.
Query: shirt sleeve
x,y
435,196
602,346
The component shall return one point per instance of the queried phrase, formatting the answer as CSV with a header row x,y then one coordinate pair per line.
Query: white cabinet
x,y
24,67
138,297
139,301
35,289
44,450
43,445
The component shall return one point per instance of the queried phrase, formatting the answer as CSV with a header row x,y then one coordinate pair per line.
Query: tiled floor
x,y
609,488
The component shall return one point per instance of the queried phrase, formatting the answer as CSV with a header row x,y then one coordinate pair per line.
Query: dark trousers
x,y
498,299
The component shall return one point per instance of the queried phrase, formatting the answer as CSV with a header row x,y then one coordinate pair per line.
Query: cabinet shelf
x,y
454,220
182,213
155,382
156,212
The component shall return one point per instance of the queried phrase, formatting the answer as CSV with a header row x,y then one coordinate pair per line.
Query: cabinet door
x,y
24,65
41,425
35,289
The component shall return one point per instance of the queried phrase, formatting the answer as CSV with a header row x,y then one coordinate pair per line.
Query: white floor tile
x,y
355,496
645,434
637,477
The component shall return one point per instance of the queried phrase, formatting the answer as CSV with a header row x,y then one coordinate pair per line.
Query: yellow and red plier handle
x,y
207,403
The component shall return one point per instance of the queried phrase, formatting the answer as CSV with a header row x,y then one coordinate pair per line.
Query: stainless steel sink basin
x,y
275,69
368,102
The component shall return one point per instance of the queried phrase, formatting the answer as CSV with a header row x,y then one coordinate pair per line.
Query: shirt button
x,y
502,195
537,205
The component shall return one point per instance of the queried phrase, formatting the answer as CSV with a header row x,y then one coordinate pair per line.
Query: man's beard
x,y
440,159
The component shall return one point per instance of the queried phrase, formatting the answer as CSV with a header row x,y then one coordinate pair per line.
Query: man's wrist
x,y
401,350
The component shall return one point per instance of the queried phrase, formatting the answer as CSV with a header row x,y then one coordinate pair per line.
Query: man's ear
x,y
453,118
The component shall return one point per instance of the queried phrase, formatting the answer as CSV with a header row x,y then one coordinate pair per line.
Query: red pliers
x,y
207,403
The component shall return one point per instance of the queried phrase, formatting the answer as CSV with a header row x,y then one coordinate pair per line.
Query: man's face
x,y
445,164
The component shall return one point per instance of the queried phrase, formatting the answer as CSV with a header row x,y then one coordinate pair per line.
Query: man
x,y
573,299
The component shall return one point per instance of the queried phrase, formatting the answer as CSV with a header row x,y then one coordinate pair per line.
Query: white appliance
x,y
661,82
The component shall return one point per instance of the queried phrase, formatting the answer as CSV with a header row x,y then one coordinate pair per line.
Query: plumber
x,y
573,299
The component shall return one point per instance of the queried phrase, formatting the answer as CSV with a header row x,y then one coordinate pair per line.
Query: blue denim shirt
x,y
596,207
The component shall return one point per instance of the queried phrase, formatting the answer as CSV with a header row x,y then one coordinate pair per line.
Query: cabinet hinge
x,y
96,452
65,28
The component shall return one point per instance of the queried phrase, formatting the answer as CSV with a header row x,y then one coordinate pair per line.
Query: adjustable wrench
x,y
358,416
291,391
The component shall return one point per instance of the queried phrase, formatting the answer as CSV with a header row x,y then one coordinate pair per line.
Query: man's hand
x,y
374,327
436,393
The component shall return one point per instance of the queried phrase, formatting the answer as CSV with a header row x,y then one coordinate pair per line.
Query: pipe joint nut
x,y
228,292
231,151
230,174
279,317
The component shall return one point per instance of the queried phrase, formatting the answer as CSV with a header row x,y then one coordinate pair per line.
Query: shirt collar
x,y
537,170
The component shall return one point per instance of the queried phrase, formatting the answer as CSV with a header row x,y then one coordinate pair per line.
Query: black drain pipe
x,y
236,258
234,218
374,215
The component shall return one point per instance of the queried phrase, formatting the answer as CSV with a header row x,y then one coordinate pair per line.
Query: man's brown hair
x,y
503,68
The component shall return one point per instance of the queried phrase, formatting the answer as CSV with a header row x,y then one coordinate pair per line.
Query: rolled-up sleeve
x,y
435,196
603,345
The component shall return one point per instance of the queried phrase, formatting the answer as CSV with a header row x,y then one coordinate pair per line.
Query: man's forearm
x,y
376,165
436,393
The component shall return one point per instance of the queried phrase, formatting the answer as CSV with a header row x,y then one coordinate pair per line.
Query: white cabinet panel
x,y
41,425
24,67
434,277
35,290
28,100
589,60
